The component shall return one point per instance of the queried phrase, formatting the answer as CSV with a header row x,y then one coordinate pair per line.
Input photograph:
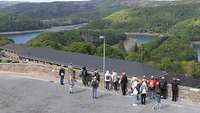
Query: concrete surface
x,y
24,95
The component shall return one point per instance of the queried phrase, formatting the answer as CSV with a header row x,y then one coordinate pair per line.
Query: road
x,y
23,95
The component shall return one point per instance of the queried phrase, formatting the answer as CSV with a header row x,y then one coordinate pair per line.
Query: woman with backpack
x,y
95,85
143,91
135,92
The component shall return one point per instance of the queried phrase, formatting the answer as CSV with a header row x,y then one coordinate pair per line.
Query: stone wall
x,y
50,73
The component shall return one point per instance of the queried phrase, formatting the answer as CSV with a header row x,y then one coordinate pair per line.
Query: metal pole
x,y
104,56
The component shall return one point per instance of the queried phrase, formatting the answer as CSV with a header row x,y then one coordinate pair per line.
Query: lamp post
x,y
104,53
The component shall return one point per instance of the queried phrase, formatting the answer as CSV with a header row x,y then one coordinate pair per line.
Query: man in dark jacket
x,y
83,76
163,87
62,75
124,82
175,83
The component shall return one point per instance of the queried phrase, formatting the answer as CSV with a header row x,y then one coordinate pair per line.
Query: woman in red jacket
x,y
151,83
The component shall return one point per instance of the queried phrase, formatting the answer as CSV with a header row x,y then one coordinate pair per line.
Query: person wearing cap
x,y
123,82
151,83
62,75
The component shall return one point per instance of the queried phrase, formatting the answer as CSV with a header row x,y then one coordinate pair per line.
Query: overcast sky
x,y
67,0
43,0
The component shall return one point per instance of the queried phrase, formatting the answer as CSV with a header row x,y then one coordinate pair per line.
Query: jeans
x,y
61,80
94,92
152,94
107,85
134,99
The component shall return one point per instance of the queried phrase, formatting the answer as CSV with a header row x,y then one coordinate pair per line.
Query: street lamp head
x,y
101,37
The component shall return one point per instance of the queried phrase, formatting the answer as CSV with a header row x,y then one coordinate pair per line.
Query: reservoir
x,y
24,37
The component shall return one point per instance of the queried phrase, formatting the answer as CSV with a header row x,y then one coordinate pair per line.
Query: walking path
x,y
23,95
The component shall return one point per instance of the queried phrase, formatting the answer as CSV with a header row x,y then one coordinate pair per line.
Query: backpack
x,y
135,91
162,84
94,84
143,91
107,78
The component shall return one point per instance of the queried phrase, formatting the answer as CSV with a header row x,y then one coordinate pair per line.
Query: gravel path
x,y
22,95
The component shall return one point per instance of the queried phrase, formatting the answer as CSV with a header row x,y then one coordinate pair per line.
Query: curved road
x,y
22,95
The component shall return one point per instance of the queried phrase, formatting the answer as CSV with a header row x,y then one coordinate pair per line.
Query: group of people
x,y
154,88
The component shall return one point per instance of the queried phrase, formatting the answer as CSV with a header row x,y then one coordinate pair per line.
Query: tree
x,y
111,52
81,47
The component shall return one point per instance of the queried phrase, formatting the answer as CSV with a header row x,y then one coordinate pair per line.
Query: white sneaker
x,y
134,105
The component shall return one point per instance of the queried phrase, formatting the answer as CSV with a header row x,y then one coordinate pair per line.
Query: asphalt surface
x,y
22,95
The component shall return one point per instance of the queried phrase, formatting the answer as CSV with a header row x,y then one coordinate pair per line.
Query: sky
x,y
43,0
66,0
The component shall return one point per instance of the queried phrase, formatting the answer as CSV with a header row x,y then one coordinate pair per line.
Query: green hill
x,y
154,19
4,41
189,28
18,23
179,24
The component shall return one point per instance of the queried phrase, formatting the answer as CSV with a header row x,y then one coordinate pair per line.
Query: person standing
x,y
95,85
175,82
135,91
143,91
151,87
71,69
123,82
72,80
107,79
97,75
114,80
163,87
62,75
83,76
157,105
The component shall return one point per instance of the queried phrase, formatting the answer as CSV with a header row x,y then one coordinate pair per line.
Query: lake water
x,y
143,39
129,43
23,38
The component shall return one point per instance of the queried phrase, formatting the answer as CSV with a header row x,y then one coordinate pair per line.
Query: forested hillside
x,y
172,52
155,19
19,23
